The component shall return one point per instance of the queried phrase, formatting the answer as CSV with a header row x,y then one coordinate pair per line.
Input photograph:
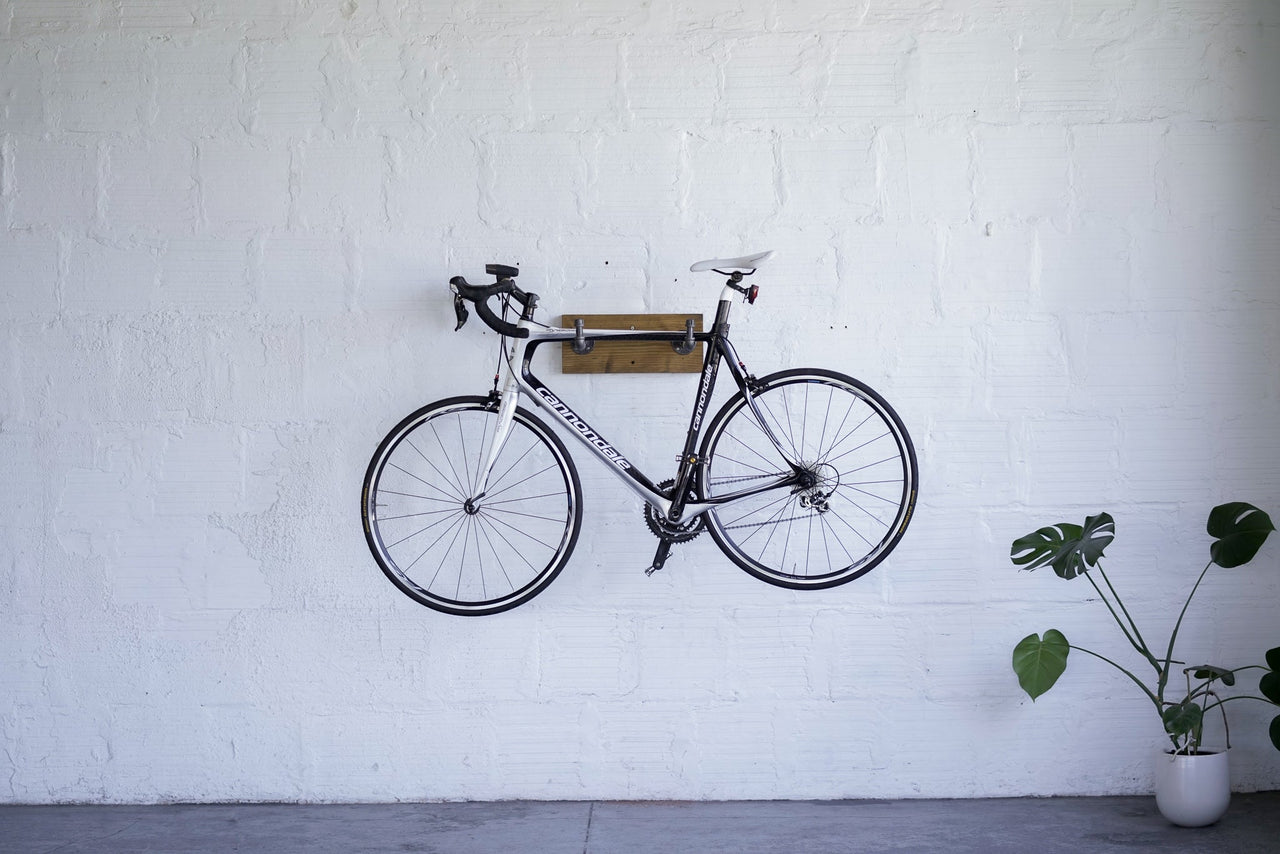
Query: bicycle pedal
x,y
660,557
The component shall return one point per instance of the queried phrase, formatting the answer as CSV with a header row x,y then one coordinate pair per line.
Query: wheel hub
x,y
818,482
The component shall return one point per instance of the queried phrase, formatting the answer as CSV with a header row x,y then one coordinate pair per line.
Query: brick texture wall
x,y
1049,233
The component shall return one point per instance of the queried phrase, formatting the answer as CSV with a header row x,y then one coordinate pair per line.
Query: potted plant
x,y
1183,697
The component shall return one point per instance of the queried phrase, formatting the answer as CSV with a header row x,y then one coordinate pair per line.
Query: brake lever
x,y
460,309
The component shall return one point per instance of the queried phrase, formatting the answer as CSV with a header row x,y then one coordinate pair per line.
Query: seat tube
x,y
706,387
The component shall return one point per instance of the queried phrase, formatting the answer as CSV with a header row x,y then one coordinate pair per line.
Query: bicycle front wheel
x,y
444,547
858,479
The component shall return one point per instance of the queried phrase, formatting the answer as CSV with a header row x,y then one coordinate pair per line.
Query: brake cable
x,y
502,346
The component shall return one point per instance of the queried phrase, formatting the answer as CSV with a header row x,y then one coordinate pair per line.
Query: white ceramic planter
x,y
1193,790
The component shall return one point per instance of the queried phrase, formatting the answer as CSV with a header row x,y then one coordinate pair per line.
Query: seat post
x,y
721,325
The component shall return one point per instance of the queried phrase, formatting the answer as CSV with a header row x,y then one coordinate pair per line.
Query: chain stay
x,y
747,477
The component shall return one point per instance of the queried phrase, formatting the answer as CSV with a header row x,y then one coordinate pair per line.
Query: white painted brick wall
x,y
1046,232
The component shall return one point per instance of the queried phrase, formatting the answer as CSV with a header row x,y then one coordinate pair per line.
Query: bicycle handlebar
x,y
480,294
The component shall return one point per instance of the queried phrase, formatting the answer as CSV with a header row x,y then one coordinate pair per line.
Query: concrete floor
x,y
1041,826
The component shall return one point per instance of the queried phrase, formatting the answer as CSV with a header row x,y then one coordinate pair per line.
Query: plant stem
x,y
1168,657
1225,728
1141,644
1127,636
1155,700
1222,701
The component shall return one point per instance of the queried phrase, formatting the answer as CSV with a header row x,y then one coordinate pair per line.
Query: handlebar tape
x,y
480,294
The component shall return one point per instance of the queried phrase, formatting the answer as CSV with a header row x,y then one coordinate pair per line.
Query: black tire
x,y
862,472
497,553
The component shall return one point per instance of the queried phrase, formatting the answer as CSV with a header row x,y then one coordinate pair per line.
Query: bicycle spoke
x,y
498,533
804,419
459,525
462,560
832,460
495,482
772,525
523,515
492,504
466,458
452,502
752,449
851,487
751,466
735,523
844,436
439,547
846,461
448,458
493,550
459,495
494,519
870,515
417,532
383,519
827,526
826,542
847,524
808,545
778,427
490,495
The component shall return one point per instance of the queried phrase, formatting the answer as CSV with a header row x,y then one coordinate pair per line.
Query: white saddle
x,y
746,262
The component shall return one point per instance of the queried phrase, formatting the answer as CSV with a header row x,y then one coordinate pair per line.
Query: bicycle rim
x,y
486,556
860,479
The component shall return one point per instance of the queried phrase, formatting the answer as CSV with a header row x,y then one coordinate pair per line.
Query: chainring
x,y
663,529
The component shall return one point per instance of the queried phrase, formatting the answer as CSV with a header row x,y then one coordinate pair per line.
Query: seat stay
x,y
744,383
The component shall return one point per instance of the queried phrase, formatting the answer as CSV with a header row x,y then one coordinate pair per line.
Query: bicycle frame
x,y
675,509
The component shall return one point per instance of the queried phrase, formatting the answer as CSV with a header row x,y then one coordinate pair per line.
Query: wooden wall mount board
x,y
632,357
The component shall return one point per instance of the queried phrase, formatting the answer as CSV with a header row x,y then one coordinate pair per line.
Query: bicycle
x,y
805,478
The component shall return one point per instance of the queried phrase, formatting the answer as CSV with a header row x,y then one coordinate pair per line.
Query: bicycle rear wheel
x,y
859,479
455,554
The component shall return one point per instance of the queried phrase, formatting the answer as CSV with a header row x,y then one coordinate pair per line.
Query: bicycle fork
x,y
508,400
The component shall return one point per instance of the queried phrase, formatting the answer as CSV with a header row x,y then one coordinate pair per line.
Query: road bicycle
x,y
805,478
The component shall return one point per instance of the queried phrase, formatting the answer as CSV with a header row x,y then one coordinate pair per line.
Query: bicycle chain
x,y
771,522
757,524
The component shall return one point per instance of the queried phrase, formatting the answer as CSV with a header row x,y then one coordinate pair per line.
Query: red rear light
x,y
752,292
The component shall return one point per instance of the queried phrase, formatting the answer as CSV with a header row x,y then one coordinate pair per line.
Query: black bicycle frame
x,y
676,508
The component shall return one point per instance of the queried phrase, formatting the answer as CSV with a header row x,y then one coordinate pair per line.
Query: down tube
x,y
589,436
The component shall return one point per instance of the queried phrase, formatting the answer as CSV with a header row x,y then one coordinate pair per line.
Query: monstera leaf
x,y
1240,529
1069,549
1269,685
1183,718
1209,672
1039,663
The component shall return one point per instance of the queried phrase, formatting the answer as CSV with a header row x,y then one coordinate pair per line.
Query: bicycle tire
x,y
863,485
491,556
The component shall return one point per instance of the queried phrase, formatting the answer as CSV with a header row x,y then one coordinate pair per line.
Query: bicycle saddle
x,y
746,262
